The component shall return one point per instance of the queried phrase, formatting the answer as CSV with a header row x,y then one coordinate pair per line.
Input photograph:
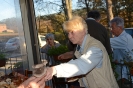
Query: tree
x,y
109,10
67,8
124,9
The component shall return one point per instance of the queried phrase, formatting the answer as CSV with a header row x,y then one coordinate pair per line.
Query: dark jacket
x,y
97,31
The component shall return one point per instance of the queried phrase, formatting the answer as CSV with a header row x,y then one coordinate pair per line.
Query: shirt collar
x,y
83,43
122,33
91,18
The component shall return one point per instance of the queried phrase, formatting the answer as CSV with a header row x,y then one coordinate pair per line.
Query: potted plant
x,y
56,51
129,62
17,67
2,59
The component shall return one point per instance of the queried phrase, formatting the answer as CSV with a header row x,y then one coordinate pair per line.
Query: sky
x,y
7,8
51,8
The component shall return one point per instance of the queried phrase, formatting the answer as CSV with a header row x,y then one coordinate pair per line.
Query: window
x,y
12,36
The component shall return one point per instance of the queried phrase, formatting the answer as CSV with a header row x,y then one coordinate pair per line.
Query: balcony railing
x,y
14,63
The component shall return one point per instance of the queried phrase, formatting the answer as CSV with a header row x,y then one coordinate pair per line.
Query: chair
x,y
47,87
64,82
76,87
27,73
131,74
131,71
58,82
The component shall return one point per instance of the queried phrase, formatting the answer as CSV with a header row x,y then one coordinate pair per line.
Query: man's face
x,y
76,36
115,29
50,41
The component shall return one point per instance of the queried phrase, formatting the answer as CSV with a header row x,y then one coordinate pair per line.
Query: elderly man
x,y
122,45
96,30
92,59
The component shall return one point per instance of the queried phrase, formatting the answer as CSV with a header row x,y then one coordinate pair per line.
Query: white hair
x,y
49,35
119,22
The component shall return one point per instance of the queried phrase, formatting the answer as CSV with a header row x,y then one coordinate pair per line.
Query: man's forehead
x,y
49,38
114,23
72,30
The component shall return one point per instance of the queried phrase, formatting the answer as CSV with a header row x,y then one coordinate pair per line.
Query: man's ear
x,y
120,27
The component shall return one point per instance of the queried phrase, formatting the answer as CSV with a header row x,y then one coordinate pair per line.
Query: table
x,y
17,80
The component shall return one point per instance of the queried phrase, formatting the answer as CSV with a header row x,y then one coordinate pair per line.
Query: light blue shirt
x,y
122,47
122,50
91,59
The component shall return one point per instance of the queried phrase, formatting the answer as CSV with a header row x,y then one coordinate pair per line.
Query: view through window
x,y
12,40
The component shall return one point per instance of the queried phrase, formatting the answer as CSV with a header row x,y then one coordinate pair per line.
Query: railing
x,y
128,73
43,56
14,63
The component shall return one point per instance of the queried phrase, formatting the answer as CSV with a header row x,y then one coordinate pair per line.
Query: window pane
x,y
12,39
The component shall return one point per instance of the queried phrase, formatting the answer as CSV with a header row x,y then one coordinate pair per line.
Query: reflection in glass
x,y
12,38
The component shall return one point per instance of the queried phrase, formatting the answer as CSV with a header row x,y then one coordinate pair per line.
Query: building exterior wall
x,y
3,28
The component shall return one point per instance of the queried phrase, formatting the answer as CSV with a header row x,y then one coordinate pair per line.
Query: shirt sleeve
x,y
45,50
118,42
82,65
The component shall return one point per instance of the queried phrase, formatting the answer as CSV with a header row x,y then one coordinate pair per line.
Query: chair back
x,y
28,73
76,87
131,71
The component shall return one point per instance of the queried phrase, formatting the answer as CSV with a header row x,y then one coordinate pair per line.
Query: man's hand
x,y
33,82
45,45
66,55
50,72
